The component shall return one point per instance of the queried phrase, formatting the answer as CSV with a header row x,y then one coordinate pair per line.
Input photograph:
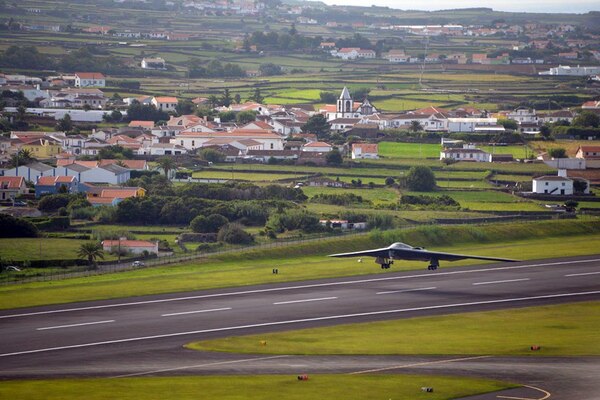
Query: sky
x,y
554,6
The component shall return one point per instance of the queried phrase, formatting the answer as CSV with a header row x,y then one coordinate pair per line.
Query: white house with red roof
x,y
165,103
191,139
11,187
131,246
365,150
90,79
317,147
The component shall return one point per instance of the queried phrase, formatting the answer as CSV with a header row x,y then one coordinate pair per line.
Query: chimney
x,y
562,173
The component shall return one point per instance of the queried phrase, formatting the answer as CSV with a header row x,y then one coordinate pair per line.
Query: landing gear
x,y
434,264
384,262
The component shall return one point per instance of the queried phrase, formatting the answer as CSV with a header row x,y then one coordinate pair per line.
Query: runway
x,y
141,336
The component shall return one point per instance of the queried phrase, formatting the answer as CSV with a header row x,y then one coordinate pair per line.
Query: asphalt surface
x,y
144,336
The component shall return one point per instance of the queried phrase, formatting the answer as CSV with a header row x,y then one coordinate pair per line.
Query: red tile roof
x,y
89,75
11,182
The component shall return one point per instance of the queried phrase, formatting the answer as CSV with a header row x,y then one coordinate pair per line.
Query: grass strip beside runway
x,y
261,387
560,330
533,240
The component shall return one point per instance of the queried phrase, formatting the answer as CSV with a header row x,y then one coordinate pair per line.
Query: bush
x,y
380,221
420,179
16,227
443,201
234,234
209,224
53,202
292,220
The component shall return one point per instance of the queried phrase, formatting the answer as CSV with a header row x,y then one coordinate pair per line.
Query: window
x,y
271,146
193,143
182,142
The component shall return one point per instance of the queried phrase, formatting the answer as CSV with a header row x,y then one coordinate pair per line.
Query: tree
x,y
420,179
64,124
209,224
21,157
318,125
53,202
16,227
212,155
270,69
184,107
509,124
334,157
545,131
91,251
415,126
226,99
558,152
237,98
234,234
587,119
244,117
389,181
256,96
580,185
166,163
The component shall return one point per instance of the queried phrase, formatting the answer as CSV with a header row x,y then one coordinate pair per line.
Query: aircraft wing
x,y
454,257
383,252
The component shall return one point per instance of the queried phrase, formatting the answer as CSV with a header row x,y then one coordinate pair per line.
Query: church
x,y
346,107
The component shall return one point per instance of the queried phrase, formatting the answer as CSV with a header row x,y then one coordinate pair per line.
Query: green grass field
x,y
409,150
307,261
377,196
21,249
258,387
561,330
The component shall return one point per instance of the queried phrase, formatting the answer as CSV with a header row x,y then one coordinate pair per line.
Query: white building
x,y
191,140
153,63
397,56
317,147
162,149
524,115
365,150
474,125
556,185
476,155
566,70
90,79
165,103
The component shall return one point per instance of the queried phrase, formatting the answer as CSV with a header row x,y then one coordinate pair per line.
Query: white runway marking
x,y
296,321
196,312
407,290
504,281
420,364
75,325
278,289
304,301
584,273
158,371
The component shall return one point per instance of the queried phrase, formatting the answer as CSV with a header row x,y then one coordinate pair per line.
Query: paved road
x,y
144,335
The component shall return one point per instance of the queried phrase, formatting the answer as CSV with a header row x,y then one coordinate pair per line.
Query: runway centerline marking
x,y
407,290
296,321
368,371
195,312
390,278
503,281
304,301
158,371
75,325
584,273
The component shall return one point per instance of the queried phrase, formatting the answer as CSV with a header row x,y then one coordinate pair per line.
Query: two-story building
x,y
90,79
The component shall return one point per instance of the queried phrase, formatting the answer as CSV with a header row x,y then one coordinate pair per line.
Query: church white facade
x,y
347,108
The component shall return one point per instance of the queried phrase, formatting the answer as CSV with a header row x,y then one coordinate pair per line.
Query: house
x,y
90,79
165,103
11,187
31,172
162,149
477,125
109,195
56,184
191,139
556,116
43,147
142,124
466,155
322,181
555,185
131,246
153,63
343,224
397,56
318,147
136,165
588,152
524,115
365,150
